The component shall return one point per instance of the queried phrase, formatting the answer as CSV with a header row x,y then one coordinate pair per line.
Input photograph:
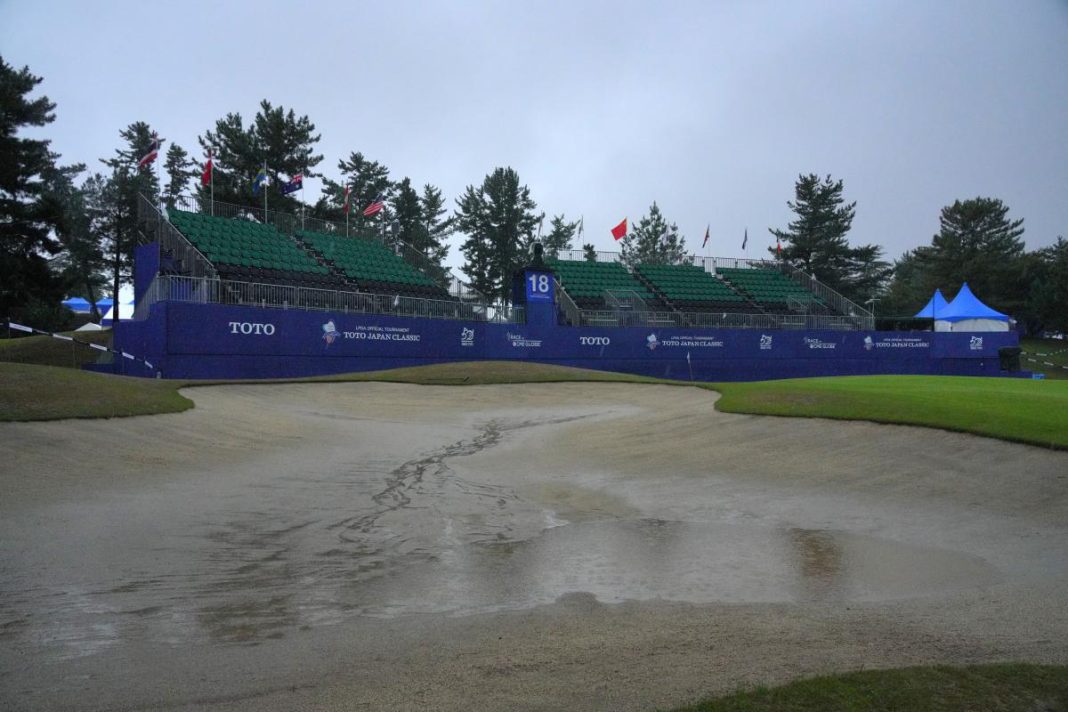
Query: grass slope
x,y
991,688
1033,412
1027,411
1046,356
478,373
48,351
29,392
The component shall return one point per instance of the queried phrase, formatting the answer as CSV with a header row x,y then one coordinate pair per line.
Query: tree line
x,y
68,230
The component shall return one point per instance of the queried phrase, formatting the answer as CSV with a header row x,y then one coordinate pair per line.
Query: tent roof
x,y
967,306
936,307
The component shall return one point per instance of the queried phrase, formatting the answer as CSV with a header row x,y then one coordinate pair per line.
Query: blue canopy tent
x,y
934,308
77,305
967,313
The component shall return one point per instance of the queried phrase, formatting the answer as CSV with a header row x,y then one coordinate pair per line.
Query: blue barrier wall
x,y
187,340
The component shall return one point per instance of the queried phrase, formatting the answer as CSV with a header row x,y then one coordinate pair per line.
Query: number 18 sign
x,y
539,287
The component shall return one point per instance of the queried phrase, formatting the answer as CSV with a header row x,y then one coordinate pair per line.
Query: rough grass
x,y
29,392
1015,409
991,688
49,351
1046,356
1033,412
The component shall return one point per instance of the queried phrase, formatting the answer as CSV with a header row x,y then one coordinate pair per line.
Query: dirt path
x,y
583,546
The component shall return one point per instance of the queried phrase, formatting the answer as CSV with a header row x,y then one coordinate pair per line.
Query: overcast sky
x,y
710,108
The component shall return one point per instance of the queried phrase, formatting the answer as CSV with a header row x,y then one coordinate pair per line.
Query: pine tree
x,y
27,213
977,243
81,261
180,169
652,240
589,252
816,242
559,237
439,225
128,180
368,180
1049,293
498,218
277,138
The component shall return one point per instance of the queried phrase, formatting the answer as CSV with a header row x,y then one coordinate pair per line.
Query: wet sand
x,y
583,546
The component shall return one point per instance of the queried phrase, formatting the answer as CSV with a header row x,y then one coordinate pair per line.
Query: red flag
x,y
346,206
778,248
205,177
706,236
620,230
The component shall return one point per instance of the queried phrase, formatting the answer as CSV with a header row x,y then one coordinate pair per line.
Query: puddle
x,y
678,561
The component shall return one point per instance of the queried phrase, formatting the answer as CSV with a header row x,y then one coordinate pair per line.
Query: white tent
x,y
125,313
967,313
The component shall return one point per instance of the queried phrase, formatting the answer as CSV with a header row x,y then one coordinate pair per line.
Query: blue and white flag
x,y
260,182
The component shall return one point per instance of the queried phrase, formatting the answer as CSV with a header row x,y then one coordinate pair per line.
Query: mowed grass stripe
x,y
991,688
1019,410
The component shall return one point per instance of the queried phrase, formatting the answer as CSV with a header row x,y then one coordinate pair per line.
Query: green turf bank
x,y
184,332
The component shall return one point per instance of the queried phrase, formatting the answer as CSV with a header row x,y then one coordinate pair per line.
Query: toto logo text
x,y
594,340
248,327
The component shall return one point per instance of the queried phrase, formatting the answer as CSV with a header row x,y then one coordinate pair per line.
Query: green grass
x,y
1015,409
29,392
990,688
48,351
1033,412
1045,352
480,373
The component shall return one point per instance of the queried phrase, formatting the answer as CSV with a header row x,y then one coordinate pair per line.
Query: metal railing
x,y
177,254
572,313
716,320
201,290
864,318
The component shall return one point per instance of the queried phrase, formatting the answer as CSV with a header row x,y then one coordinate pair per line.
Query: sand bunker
x,y
507,547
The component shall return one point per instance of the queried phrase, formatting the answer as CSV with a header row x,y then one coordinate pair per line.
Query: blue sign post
x,y
540,297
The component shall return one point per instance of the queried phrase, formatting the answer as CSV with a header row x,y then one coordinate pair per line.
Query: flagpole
x,y
211,179
265,184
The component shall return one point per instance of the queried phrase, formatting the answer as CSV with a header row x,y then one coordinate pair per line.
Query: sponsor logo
x,y
868,343
380,333
594,340
765,342
651,342
976,343
819,344
699,342
251,328
330,332
467,337
901,342
519,341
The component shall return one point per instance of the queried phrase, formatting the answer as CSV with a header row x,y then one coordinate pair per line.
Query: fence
x,y
176,253
202,290
718,320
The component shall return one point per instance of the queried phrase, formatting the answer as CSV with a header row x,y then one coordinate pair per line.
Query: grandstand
x,y
234,292
592,285
246,250
771,290
689,288
370,266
